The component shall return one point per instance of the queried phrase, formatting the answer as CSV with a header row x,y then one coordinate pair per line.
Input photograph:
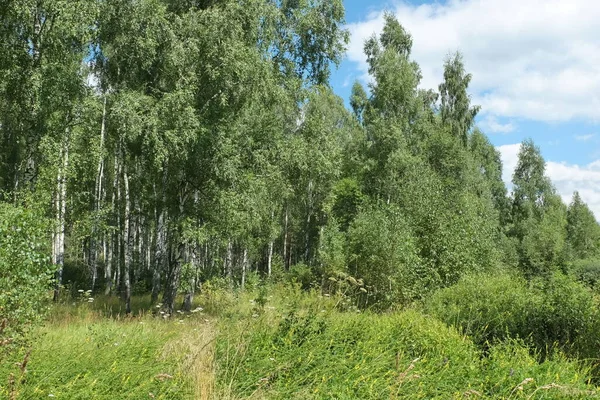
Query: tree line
x,y
171,142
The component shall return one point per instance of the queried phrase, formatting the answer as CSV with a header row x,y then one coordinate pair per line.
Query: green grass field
x,y
291,345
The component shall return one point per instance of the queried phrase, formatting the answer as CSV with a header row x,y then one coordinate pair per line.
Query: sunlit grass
x,y
91,351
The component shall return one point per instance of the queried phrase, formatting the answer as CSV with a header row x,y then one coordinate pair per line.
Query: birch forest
x,y
184,152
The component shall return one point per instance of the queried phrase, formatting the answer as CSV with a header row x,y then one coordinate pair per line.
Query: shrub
x,y
545,313
587,272
383,253
25,270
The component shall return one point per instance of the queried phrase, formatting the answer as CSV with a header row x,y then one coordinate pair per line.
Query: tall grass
x,y
314,351
275,342
82,354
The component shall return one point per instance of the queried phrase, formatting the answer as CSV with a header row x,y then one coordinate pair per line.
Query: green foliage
x,y
303,275
588,272
583,231
313,355
542,249
382,252
546,314
456,111
25,269
539,216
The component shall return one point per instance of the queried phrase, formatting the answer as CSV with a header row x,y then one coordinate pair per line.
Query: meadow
x,y
279,342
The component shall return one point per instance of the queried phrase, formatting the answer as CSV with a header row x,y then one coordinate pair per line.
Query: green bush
x,y
383,253
587,272
25,270
303,275
545,313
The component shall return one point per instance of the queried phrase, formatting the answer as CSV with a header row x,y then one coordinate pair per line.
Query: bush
x,y
587,272
545,313
383,253
303,275
25,270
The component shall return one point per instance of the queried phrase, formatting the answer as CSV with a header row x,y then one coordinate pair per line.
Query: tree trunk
x,y
111,254
270,258
127,243
61,211
188,298
285,240
172,285
308,220
98,200
229,262
244,267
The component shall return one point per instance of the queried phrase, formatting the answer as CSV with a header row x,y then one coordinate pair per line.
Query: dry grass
x,y
196,348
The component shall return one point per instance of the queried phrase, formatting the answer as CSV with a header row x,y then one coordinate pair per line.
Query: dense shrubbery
x,y
588,272
25,270
545,313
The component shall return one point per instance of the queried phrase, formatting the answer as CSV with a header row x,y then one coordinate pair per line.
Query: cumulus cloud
x,y
491,124
535,59
567,178
509,154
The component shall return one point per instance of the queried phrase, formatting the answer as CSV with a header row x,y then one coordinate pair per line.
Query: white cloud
x,y
509,154
584,138
536,59
491,124
567,178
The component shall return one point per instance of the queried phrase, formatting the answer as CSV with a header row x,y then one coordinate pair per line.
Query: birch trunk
x,y
229,261
61,211
98,199
270,258
127,243
285,240
188,298
172,284
244,267
110,255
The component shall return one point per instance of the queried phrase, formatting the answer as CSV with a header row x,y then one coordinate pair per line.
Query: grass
x,y
82,354
404,355
280,343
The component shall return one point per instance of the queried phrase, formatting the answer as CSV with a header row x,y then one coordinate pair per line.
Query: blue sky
x,y
535,66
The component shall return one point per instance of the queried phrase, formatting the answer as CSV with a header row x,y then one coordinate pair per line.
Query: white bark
x,y
98,198
61,208
127,243
244,267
